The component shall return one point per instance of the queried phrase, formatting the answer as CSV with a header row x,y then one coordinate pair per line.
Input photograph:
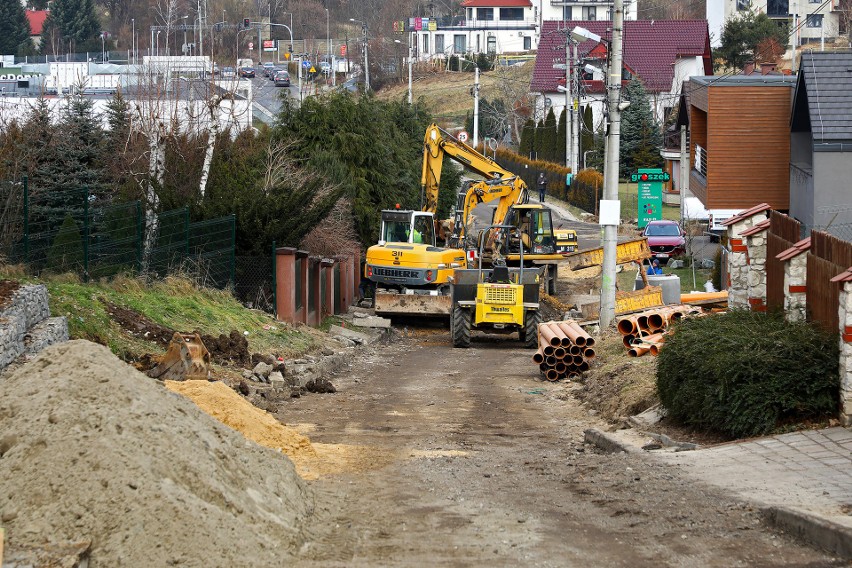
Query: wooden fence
x,y
829,256
784,232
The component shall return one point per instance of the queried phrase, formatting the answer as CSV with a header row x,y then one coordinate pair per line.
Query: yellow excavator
x,y
411,274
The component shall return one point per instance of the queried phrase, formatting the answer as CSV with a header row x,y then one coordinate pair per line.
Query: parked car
x,y
282,79
228,73
665,239
247,72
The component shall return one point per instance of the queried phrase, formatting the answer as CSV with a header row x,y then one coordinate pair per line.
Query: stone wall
x,y
845,312
738,261
795,287
26,325
756,245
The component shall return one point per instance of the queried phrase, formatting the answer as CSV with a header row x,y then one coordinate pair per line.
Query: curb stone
x,y
832,537
605,442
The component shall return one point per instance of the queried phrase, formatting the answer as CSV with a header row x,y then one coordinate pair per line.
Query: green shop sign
x,y
650,195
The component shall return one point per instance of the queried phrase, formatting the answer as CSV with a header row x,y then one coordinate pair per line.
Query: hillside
x,y
446,94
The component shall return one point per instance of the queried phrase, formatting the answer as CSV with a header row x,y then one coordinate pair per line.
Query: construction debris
x,y
186,359
564,350
644,332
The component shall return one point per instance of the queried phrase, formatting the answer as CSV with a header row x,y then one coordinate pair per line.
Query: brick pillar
x,y
756,245
738,261
285,284
845,312
328,296
302,310
314,281
358,274
795,287
347,283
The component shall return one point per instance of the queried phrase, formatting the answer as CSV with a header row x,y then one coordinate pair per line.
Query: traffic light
x,y
246,23
290,48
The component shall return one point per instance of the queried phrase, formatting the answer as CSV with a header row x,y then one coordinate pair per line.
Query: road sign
x,y
562,66
251,45
312,69
650,195
269,45
462,136
287,55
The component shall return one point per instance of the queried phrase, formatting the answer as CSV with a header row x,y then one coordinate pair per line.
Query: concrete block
x,y
372,321
356,336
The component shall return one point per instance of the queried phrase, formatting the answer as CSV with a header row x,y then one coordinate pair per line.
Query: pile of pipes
x,y
564,350
645,332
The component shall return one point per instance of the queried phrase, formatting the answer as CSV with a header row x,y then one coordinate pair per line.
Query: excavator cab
x,y
534,231
399,226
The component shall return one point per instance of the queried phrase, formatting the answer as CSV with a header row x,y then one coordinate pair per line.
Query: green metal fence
x,y
70,231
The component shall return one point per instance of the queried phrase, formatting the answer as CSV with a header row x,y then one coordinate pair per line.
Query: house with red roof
x,y
36,19
661,53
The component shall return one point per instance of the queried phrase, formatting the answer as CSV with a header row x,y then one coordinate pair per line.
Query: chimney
x,y
749,68
767,68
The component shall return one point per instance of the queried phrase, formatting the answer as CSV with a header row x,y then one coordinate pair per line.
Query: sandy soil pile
x,y
92,449
229,408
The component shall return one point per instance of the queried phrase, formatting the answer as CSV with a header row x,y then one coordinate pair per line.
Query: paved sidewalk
x,y
802,480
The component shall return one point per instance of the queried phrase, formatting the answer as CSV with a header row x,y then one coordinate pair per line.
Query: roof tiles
x,y
760,227
746,214
827,78
802,246
651,48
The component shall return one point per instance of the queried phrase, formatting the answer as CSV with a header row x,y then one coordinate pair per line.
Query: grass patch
x,y
176,303
627,278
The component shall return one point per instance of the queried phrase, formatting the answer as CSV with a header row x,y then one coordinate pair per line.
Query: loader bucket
x,y
392,303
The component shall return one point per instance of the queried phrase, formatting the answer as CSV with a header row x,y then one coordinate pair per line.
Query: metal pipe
x,y
549,335
589,354
538,357
559,352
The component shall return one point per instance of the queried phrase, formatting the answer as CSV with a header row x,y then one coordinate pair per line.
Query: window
x,y
439,43
527,43
492,44
485,14
512,14
459,43
743,5
778,8
814,21
589,13
425,43
567,16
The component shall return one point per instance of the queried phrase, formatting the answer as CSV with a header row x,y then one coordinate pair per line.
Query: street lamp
x,y
158,42
133,38
327,38
183,49
366,57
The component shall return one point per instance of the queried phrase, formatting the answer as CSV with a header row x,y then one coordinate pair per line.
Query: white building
x,y
498,26
815,19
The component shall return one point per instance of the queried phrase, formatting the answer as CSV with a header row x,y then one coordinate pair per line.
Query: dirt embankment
x,y
90,449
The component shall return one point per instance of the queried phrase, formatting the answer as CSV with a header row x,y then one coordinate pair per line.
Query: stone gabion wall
x,y
845,312
26,325
795,287
756,245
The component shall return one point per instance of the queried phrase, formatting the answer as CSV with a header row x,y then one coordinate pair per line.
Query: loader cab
x,y
535,226
401,226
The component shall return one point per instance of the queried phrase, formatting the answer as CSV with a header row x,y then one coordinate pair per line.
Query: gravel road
x,y
478,463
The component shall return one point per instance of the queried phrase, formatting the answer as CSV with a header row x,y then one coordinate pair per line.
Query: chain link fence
x,y
69,231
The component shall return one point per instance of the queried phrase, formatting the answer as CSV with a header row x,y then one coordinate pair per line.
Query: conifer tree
x,y
527,138
561,133
549,144
641,138
14,29
72,21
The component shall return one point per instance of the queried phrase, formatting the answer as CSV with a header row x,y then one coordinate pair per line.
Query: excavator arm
x,y
437,144
509,191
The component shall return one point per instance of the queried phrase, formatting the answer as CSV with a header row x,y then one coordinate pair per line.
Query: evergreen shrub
x,y
745,373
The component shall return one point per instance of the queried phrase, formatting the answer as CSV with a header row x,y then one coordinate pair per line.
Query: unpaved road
x,y
470,460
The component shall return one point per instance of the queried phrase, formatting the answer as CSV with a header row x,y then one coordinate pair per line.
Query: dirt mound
x,y
92,449
231,348
7,289
138,325
229,408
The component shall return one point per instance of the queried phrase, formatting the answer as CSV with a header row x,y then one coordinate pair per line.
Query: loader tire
x,y
530,332
461,324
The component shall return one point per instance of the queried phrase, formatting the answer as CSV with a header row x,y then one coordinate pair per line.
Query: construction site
x,y
379,445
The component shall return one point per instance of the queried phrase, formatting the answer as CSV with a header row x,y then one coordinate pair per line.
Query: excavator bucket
x,y
186,359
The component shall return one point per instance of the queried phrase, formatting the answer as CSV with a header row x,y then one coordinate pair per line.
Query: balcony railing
x,y
462,24
671,139
701,160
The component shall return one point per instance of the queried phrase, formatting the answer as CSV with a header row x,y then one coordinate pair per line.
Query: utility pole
x,y
575,112
569,116
476,107
410,74
610,190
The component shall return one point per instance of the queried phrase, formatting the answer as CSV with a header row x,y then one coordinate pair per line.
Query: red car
x,y
665,238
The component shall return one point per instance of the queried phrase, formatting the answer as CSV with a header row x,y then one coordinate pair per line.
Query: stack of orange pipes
x,y
564,350
644,332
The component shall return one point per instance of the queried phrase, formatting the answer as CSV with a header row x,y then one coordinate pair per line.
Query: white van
x,y
717,217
